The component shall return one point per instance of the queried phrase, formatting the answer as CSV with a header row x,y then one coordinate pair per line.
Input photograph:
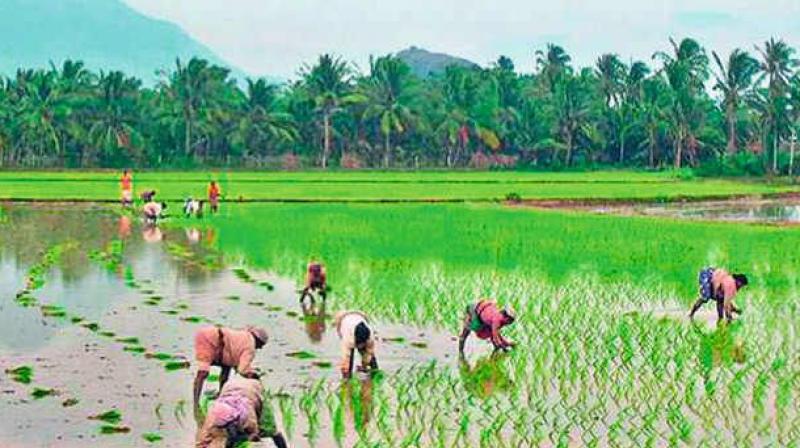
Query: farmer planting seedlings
x,y
228,349
719,285
241,413
355,333
316,281
486,319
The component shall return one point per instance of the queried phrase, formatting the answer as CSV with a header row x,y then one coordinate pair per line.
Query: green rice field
x,y
377,186
101,310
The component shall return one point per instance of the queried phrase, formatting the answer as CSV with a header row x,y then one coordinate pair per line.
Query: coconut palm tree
x,y
114,119
262,124
552,63
777,65
686,70
329,82
733,79
193,90
386,97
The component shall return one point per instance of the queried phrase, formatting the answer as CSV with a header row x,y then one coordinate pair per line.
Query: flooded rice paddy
x,y
107,323
97,314
776,211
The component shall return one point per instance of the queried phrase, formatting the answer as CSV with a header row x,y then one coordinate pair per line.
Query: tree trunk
x,y
187,134
387,149
775,151
652,149
449,157
731,116
621,147
678,150
569,149
326,143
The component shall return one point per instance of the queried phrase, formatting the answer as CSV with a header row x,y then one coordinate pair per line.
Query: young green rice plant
x,y
111,417
152,437
70,402
21,374
114,429
40,392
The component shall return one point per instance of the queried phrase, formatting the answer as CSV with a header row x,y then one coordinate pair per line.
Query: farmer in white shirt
x,y
355,334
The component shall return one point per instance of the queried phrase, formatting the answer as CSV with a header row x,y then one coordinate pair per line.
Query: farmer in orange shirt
x,y
226,348
126,184
213,196
486,320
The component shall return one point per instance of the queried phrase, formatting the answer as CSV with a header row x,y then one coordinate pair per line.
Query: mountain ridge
x,y
104,34
425,63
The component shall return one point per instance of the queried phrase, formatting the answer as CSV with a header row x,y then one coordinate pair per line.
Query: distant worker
x,y
241,413
126,185
152,212
228,349
720,286
147,196
486,319
355,334
192,207
213,196
316,281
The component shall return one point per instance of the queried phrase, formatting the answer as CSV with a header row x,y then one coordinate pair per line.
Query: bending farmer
x,y
486,320
226,348
316,280
720,286
240,413
355,334
152,211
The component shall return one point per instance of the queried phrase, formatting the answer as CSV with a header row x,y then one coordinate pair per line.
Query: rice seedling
x,y
176,365
152,437
301,355
70,402
40,392
134,349
21,374
112,417
114,429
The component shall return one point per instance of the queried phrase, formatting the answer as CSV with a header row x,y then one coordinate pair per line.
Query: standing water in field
x,y
96,324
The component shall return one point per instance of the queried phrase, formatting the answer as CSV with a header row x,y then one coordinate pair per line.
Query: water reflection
x,y
751,211
486,377
314,318
721,347
357,394
152,233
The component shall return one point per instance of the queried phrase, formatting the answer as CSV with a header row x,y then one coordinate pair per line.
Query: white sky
x,y
275,37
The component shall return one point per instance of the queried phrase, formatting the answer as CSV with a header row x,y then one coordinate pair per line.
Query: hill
x,y
105,34
425,63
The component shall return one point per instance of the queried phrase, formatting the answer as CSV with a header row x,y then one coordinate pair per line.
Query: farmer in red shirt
x,y
486,320
213,196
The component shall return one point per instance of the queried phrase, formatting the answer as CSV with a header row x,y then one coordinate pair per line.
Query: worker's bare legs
x,y
465,330
223,377
199,380
279,441
696,307
720,310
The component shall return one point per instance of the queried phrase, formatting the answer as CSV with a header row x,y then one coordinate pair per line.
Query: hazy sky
x,y
275,37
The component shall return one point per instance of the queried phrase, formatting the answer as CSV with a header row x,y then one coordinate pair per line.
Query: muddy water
x,y
165,285
783,211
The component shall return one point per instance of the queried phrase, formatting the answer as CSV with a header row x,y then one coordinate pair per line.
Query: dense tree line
x,y
734,113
